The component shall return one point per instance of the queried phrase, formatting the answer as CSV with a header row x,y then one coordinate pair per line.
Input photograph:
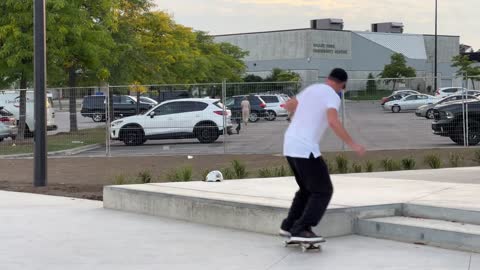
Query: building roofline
x,y
330,30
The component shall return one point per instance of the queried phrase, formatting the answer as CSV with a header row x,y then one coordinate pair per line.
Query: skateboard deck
x,y
306,246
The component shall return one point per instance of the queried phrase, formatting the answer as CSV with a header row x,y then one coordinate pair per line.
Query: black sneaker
x,y
284,230
307,236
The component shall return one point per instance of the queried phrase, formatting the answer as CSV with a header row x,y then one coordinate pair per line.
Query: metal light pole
x,y
40,170
436,48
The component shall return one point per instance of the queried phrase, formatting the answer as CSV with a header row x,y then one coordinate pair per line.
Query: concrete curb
x,y
68,152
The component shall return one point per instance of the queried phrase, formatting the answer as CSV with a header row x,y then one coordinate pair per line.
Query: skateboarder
x,y
315,108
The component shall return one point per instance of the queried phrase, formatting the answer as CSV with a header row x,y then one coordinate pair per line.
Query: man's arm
x,y
341,132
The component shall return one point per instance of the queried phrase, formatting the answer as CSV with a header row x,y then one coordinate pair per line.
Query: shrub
x,y
204,174
144,177
455,159
342,164
228,173
329,164
120,179
356,168
476,156
180,175
239,169
389,164
281,172
369,166
433,161
409,163
265,173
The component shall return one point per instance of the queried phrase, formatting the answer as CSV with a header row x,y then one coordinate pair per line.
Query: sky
x,y
456,17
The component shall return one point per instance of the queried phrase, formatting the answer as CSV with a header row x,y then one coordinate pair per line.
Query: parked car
x,y
202,119
275,106
10,100
448,91
450,122
427,110
257,105
397,95
95,107
170,95
8,125
411,102
148,100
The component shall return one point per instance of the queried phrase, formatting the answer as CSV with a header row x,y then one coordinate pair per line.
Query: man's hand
x,y
291,105
359,149
337,127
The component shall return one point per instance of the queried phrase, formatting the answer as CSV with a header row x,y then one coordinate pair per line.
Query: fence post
x,y
343,116
107,122
466,111
224,99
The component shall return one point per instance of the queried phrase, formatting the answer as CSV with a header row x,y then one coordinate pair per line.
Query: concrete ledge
x,y
230,214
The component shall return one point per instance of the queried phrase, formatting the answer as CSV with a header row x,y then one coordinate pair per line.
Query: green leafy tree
x,y
16,48
86,44
397,69
280,75
371,84
466,69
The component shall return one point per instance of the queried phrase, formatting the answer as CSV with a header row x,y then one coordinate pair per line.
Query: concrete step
x,y
442,213
433,232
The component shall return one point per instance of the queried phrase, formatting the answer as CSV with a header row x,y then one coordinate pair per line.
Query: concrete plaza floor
x,y
43,232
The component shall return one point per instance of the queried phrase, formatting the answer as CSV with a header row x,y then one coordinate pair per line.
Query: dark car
x,y
95,107
170,95
257,107
450,121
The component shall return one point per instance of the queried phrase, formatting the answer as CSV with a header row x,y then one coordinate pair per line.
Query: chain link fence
x,y
204,119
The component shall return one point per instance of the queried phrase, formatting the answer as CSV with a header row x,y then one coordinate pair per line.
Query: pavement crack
x,y
279,261
431,193
470,262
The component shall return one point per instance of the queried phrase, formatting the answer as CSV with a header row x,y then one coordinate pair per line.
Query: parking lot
x,y
367,122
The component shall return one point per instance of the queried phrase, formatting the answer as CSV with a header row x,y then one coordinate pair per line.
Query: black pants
x,y
314,194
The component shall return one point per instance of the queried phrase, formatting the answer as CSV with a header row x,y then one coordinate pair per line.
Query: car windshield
x,y
4,112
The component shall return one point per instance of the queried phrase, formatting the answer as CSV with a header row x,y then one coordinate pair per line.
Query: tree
x,y
252,78
371,84
397,69
139,89
86,44
16,48
280,75
466,69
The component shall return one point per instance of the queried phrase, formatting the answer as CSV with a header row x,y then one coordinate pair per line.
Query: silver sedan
x,y
427,110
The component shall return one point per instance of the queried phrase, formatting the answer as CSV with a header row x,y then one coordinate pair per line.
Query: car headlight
x,y
116,123
449,115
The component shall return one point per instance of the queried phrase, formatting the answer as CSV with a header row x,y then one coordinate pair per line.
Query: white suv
x,y
198,118
275,105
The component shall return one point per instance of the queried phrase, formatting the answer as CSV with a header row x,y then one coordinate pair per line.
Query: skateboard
x,y
306,246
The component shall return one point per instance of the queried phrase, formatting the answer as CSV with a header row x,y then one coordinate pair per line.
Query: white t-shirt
x,y
310,122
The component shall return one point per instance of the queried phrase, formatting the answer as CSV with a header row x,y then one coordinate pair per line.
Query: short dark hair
x,y
338,74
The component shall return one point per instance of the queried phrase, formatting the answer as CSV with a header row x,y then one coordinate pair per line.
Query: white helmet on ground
x,y
214,176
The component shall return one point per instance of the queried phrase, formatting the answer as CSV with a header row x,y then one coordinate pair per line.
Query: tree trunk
x,y
72,81
473,83
394,84
138,102
23,109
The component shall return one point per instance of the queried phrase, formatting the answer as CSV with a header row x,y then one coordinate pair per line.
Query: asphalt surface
x,y
368,123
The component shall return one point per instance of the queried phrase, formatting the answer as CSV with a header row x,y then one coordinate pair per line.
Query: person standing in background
x,y
245,110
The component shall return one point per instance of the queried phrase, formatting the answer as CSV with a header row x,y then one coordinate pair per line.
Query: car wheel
x,y
253,117
207,133
473,134
1,139
97,117
271,116
132,136
430,114
396,109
